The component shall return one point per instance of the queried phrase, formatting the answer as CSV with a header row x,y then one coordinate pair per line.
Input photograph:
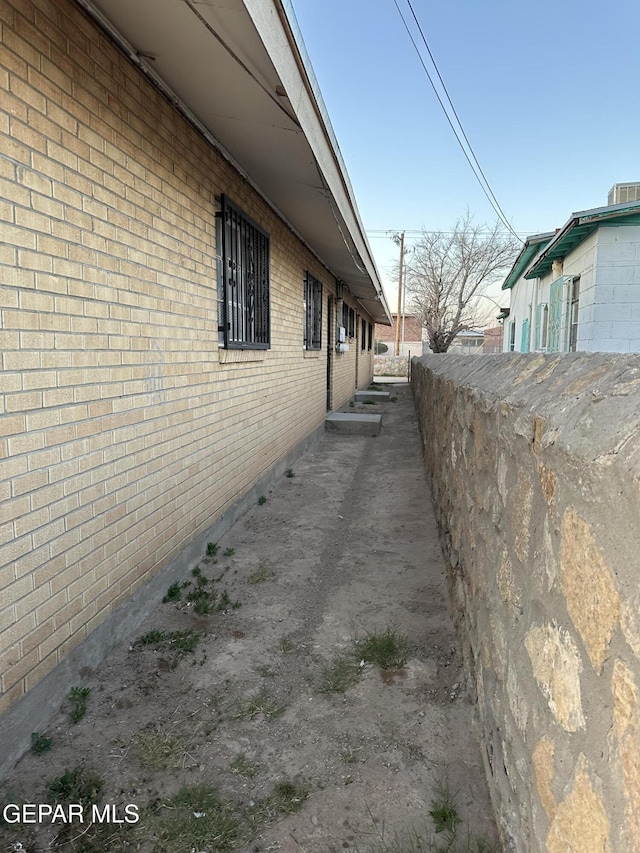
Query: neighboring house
x,y
186,288
579,288
412,335
468,342
492,340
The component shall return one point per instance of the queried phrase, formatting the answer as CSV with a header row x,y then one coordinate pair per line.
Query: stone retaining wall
x,y
390,365
535,467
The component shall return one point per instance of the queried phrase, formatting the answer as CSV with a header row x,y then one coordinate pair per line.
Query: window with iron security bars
x,y
312,313
245,318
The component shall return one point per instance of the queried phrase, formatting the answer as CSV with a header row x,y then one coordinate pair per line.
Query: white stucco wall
x,y
524,297
520,309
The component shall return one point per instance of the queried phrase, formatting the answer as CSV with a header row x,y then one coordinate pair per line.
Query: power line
x,y
446,91
485,189
377,233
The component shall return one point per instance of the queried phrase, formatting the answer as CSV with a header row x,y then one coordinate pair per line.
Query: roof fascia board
x,y
527,252
614,214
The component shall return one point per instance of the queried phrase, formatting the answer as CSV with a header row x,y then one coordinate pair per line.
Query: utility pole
x,y
398,316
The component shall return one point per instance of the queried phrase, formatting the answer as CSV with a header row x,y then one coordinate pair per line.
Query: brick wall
x,y
534,464
124,430
413,330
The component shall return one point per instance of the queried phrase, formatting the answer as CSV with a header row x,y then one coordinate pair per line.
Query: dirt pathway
x,y
263,722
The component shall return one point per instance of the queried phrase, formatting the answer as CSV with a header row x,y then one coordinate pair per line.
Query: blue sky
x,y
547,93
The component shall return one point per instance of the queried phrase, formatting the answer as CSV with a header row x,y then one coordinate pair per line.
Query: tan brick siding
x,y
122,433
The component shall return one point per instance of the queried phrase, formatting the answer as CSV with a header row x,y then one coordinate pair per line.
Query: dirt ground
x,y
261,725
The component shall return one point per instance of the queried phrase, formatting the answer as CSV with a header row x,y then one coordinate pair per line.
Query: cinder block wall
x,y
124,431
535,463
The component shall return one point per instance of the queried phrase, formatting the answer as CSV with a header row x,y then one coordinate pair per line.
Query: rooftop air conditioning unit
x,y
624,193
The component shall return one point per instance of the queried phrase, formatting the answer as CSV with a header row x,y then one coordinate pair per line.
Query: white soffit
x,y
252,95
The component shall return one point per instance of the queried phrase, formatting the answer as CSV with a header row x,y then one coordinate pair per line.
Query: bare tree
x,y
447,274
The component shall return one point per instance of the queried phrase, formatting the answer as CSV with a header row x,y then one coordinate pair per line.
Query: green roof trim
x,y
578,228
528,252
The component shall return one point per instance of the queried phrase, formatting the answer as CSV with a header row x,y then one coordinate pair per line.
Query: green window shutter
x,y
538,325
555,314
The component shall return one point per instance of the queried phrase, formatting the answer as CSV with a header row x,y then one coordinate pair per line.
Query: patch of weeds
x,y
416,842
260,704
349,755
262,500
174,593
212,549
197,818
94,838
241,766
158,750
76,786
387,649
225,603
289,473
265,671
352,404
443,811
393,399
286,798
339,675
40,743
286,645
182,642
152,638
262,573
369,402
203,595
228,552
78,697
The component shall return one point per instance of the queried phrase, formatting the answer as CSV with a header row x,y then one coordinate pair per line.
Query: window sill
x,y
240,356
311,353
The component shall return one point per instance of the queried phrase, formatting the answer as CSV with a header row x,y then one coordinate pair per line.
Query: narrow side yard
x,y
301,691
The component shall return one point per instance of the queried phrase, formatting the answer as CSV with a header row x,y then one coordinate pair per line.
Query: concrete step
x,y
374,396
346,423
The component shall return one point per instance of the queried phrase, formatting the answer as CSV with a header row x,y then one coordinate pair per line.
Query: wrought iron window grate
x,y
312,313
245,267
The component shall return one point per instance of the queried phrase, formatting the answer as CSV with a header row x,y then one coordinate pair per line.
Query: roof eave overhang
x,y
531,247
578,228
237,73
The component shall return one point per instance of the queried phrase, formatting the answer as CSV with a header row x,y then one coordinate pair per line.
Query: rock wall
x,y
390,365
535,467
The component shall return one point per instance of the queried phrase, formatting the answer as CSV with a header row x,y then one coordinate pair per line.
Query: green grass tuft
x,y
338,676
443,811
261,574
40,743
174,593
387,649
